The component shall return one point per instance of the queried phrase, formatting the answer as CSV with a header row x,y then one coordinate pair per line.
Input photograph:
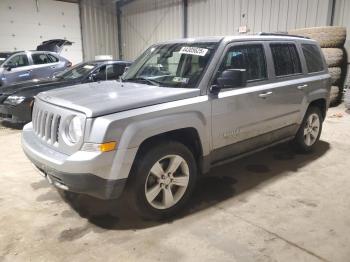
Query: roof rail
x,y
282,34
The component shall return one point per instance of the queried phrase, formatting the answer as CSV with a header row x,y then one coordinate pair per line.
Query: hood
x,y
30,85
53,45
102,98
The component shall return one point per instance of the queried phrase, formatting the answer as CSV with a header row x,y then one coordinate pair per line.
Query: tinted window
x,y
39,59
313,58
78,71
115,71
250,58
101,74
53,58
18,61
286,59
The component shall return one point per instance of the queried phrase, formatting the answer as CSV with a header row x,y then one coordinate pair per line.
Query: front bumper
x,y
19,114
82,172
84,183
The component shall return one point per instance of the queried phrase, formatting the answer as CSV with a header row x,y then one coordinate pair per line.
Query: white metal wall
x,y
27,23
145,22
224,17
99,28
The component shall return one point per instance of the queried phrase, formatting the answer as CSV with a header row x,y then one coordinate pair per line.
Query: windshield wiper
x,y
142,79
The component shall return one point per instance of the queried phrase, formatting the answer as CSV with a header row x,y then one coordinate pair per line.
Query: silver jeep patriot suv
x,y
183,107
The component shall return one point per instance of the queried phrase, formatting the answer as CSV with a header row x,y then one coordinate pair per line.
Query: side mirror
x,y
93,78
230,78
9,67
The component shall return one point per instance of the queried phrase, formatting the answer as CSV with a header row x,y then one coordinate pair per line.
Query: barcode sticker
x,y
193,51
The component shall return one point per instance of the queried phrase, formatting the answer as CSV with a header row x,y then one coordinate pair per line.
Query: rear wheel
x,y
310,130
162,180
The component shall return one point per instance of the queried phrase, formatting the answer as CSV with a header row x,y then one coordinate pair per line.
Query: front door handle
x,y
264,95
53,67
302,87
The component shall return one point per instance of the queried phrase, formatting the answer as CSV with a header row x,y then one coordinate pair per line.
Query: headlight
x,y
75,130
14,100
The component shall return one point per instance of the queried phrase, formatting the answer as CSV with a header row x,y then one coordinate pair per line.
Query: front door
x,y
239,115
20,69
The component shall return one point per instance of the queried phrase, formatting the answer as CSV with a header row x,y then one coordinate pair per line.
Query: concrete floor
x,y
272,206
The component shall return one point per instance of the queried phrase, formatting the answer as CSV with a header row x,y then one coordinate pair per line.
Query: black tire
x,y
335,95
335,73
299,141
333,56
326,36
136,187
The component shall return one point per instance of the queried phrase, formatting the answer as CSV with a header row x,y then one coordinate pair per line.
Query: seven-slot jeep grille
x,y
46,125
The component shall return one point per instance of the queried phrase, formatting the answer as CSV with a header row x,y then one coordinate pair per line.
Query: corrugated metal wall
x,y
145,22
99,28
224,17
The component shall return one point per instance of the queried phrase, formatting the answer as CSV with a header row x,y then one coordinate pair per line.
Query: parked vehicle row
x,y
181,108
16,101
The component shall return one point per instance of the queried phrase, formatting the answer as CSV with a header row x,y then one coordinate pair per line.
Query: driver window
x,y
18,61
250,58
101,74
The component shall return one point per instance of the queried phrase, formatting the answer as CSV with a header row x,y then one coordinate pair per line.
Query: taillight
x,y
69,64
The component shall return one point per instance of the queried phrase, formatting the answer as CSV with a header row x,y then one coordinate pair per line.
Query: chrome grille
x,y
46,125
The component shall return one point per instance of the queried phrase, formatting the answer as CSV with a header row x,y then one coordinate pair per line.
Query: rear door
x,y
288,86
239,115
20,69
43,65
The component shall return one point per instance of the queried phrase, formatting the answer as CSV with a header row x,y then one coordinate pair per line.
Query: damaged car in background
x,y
16,100
27,65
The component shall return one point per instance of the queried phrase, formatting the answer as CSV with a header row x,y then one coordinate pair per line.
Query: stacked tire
x,y
331,40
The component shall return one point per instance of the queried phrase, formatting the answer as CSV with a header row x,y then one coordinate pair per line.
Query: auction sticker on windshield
x,y
193,51
88,66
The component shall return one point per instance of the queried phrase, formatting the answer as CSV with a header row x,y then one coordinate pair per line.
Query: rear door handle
x,y
264,95
302,87
53,67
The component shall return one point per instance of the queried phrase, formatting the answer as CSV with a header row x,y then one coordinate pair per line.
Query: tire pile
x,y
331,40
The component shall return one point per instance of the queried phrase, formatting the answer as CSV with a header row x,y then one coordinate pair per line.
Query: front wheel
x,y
310,130
162,180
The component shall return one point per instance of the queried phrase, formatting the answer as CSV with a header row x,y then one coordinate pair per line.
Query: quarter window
x,y
313,58
52,58
249,57
286,59
18,61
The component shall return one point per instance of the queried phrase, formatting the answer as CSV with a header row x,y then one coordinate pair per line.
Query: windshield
x,y
76,72
172,65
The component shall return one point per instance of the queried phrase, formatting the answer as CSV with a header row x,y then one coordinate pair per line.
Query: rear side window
x,y
53,59
250,58
115,71
313,58
39,59
286,59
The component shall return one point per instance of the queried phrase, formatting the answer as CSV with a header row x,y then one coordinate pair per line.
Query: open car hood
x,y
53,45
